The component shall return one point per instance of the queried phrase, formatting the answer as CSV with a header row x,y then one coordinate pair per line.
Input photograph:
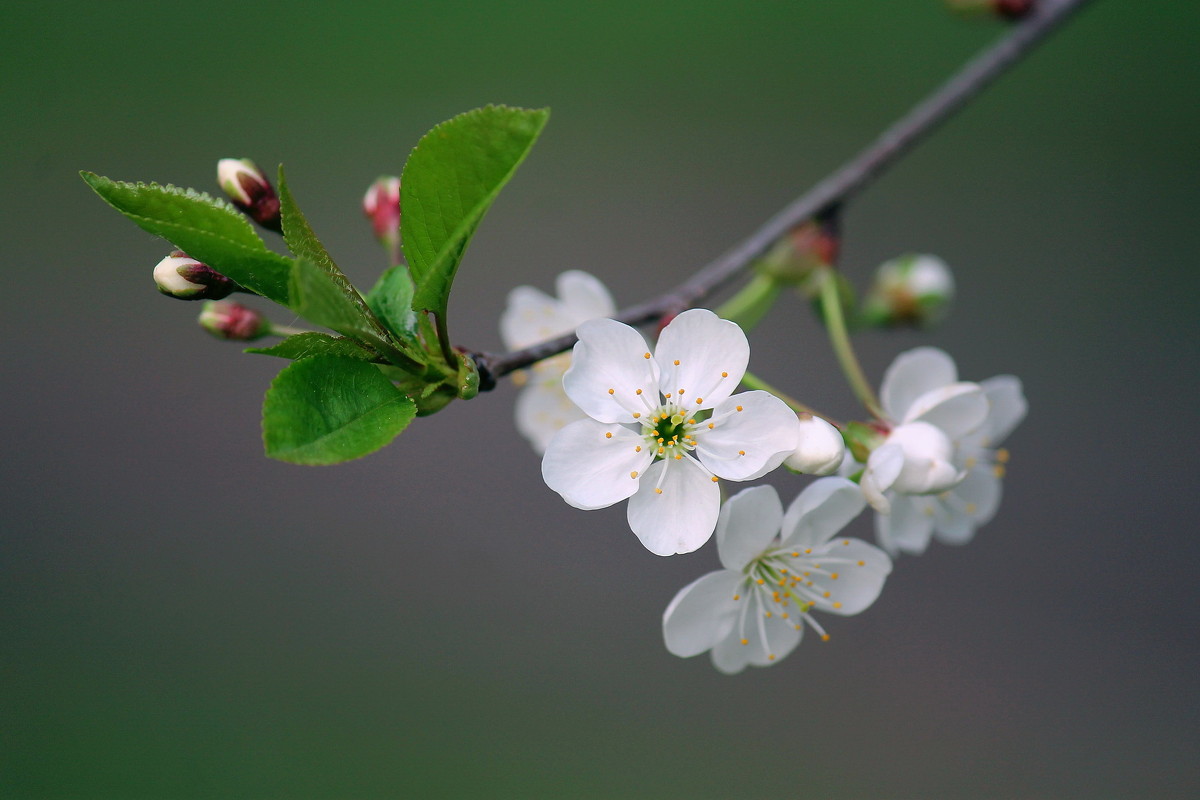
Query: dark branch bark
x,y
830,193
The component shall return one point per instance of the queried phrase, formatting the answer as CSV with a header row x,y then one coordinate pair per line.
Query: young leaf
x,y
449,181
207,229
303,345
325,410
391,300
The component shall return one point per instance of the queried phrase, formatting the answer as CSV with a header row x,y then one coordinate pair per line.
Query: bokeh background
x,y
182,617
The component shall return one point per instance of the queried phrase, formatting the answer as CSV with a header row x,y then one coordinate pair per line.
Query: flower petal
x,y
860,568
752,434
883,467
820,448
817,514
1007,408
768,641
748,522
531,316
907,528
958,409
583,296
592,470
911,375
969,505
611,356
703,355
681,517
542,410
702,613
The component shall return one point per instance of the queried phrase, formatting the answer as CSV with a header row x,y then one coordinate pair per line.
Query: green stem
x,y
286,330
835,323
752,381
751,303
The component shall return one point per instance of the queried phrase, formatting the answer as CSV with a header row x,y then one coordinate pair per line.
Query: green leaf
x,y
391,300
325,410
207,229
303,345
449,182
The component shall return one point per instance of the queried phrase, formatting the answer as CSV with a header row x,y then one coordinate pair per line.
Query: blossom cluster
x,y
662,425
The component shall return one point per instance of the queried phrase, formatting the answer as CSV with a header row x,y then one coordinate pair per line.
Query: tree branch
x,y
827,195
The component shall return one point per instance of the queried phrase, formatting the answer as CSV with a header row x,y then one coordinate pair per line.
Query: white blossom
x,y
532,316
954,513
778,568
663,427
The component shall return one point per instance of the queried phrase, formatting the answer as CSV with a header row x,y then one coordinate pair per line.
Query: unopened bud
x,y
180,276
234,321
912,289
249,190
1008,9
381,204
821,448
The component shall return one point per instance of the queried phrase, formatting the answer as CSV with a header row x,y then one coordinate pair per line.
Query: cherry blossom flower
x,y
927,410
778,569
663,427
952,516
532,316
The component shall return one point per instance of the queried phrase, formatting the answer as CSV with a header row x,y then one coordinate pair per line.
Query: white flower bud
x,y
821,448
927,459
249,190
910,289
183,277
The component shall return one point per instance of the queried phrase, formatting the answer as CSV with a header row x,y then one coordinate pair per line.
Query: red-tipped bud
x,y
1008,9
381,204
182,277
225,319
249,190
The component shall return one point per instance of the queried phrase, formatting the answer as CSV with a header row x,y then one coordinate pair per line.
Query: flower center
x,y
670,431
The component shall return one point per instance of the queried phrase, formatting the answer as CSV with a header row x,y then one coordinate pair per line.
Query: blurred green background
x,y
181,617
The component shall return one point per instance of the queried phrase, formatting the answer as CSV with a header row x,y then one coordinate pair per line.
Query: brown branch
x,y
829,194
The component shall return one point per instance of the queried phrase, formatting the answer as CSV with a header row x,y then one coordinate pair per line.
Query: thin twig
x,y
827,195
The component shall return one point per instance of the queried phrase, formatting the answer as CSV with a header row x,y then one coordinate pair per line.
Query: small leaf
x,y
303,345
209,230
391,300
450,180
325,410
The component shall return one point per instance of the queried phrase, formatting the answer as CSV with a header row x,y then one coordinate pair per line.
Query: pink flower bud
x,y
234,321
381,204
249,190
182,277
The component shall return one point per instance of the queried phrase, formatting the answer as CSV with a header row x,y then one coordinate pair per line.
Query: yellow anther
x,y
845,542
745,642
761,581
699,400
633,474
741,452
724,374
795,555
714,478
612,391
824,637
807,551
970,462
678,456
658,491
998,470
637,414
767,613
784,615
608,435
661,450
739,408
771,657
637,449
711,425
691,422
737,597
668,394
837,605
677,362
862,563
660,439
645,355
834,576
1002,455
972,508
681,392
826,595
639,391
